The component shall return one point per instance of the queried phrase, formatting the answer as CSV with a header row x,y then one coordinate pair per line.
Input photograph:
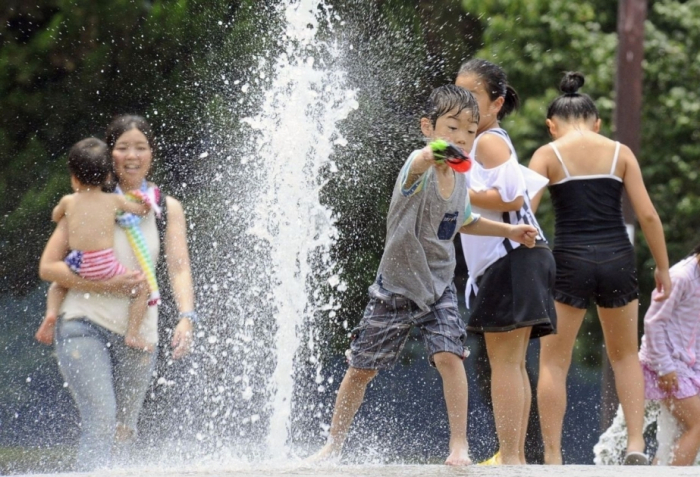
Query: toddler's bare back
x,y
91,219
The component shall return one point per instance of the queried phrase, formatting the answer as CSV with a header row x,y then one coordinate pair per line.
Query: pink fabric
x,y
671,329
95,265
688,386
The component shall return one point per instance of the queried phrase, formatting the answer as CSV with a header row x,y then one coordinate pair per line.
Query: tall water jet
x,y
266,237
297,128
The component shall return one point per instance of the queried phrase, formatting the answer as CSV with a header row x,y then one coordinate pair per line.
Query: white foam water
x,y
272,276
612,443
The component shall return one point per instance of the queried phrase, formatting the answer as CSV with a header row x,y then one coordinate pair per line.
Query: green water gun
x,y
445,151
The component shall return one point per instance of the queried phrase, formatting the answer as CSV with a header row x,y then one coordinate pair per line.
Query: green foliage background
x,y
68,66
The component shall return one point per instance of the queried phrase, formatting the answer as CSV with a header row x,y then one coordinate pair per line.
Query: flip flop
x,y
636,458
494,460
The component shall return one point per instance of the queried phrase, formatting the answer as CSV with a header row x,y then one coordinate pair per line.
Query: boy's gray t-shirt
x,y
419,256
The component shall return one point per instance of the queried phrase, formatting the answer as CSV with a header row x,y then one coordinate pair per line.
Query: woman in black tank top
x,y
595,259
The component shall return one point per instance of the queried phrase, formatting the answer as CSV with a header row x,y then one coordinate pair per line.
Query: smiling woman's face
x,y
132,156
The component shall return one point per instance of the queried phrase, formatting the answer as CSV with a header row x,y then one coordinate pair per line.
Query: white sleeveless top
x,y
109,311
511,180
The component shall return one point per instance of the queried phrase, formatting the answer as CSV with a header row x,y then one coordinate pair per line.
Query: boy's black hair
x,y
89,161
496,83
572,104
446,98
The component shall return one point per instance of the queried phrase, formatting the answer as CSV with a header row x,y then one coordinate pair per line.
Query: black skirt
x,y
516,292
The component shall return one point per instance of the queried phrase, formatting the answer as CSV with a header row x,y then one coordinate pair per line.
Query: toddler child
x,y
414,287
669,355
90,214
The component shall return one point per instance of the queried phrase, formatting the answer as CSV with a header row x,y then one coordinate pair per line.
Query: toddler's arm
x,y
60,210
139,208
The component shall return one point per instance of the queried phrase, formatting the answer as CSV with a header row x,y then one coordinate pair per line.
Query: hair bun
x,y
571,82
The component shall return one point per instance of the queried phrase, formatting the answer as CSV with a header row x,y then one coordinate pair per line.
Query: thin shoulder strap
x,y
561,161
617,153
162,222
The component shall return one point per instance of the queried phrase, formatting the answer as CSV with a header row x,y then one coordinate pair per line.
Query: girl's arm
x,y
538,163
649,221
491,199
492,151
656,321
52,268
523,233
179,271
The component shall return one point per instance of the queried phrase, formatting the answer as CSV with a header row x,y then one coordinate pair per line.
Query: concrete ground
x,y
401,471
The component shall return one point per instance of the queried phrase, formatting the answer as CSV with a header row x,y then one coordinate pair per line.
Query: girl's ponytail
x,y
511,102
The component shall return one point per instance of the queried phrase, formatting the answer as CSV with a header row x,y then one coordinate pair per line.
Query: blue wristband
x,y
190,315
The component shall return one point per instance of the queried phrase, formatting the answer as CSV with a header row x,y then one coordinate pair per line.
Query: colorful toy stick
x,y
130,224
453,155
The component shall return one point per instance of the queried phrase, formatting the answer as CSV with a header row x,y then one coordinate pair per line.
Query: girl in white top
x,y
509,291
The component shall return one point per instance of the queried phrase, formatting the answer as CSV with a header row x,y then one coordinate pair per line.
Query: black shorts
x,y
516,292
607,273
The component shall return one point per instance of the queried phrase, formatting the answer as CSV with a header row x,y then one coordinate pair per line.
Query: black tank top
x,y
588,209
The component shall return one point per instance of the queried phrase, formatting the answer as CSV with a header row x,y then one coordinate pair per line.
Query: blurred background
x,y
68,66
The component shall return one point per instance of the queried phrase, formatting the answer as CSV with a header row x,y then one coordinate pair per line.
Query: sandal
x,y
635,458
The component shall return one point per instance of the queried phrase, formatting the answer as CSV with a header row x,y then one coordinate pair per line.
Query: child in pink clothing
x,y
669,355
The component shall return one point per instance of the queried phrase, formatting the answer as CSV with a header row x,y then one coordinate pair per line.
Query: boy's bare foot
x,y
44,334
459,455
328,453
134,340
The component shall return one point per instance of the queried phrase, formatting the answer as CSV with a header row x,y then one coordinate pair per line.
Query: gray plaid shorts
x,y
385,326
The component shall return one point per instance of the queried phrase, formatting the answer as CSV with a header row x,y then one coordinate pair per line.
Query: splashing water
x,y
297,126
267,210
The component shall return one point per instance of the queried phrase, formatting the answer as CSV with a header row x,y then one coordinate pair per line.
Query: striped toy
x,y
130,224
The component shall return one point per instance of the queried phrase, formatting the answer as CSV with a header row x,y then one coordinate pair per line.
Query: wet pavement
x,y
400,471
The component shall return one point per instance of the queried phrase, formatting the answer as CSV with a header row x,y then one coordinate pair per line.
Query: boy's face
x,y
457,127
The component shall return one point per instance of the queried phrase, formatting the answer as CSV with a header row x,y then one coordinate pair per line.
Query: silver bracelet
x,y
190,315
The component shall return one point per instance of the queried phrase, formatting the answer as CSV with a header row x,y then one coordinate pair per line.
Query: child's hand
x,y
127,284
427,156
524,234
44,334
668,382
663,284
142,197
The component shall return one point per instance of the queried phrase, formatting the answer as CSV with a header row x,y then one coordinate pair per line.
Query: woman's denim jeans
x,y
108,381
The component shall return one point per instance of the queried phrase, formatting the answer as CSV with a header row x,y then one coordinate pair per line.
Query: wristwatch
x,y
191,315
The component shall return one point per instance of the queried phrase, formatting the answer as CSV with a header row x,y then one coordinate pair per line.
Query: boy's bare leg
x,y
350,397
137,312
54,298
454,385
